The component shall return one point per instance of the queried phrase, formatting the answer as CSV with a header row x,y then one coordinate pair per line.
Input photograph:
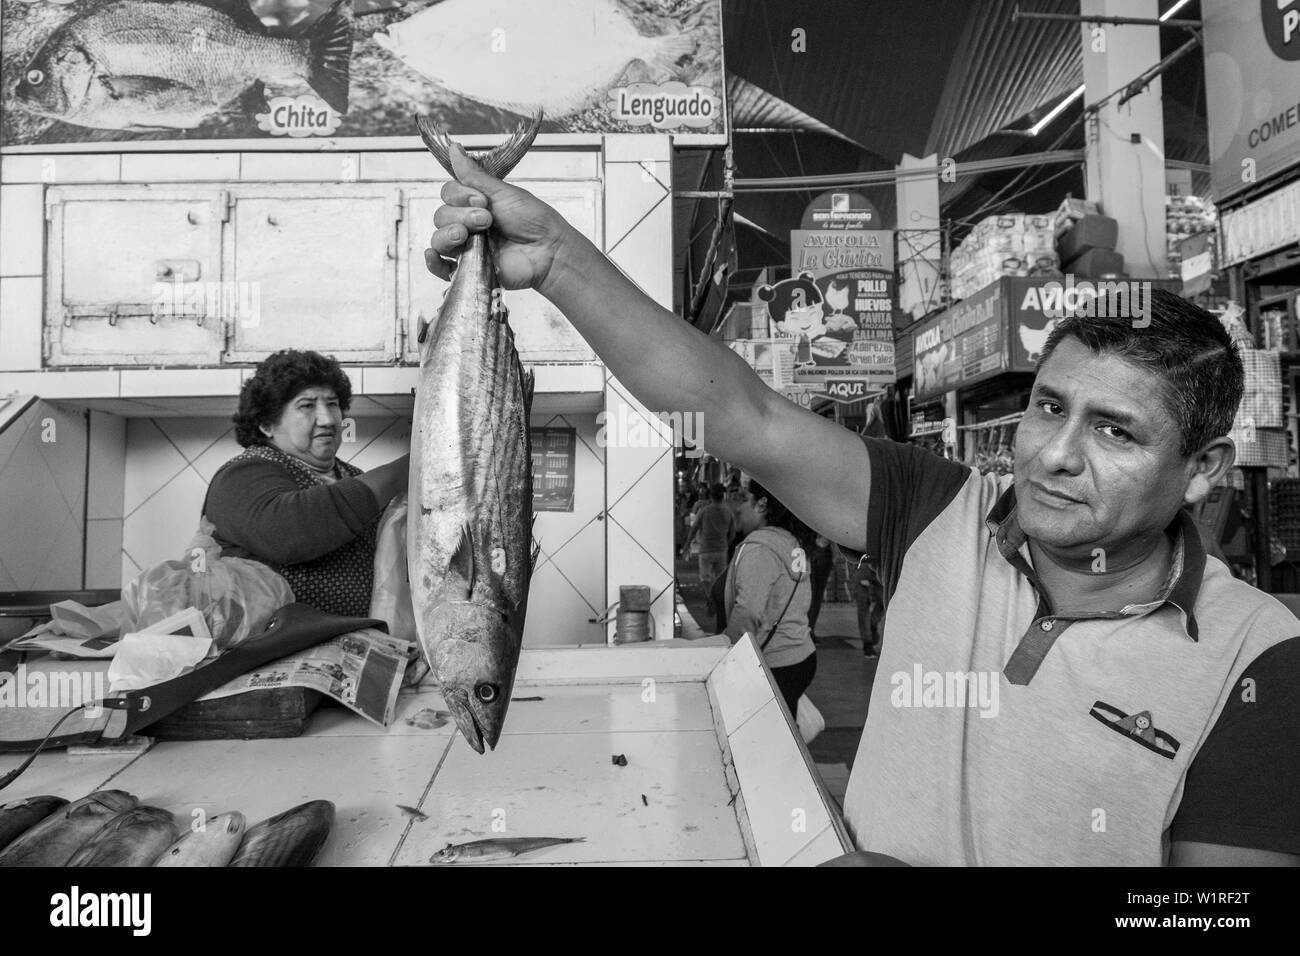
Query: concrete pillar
x,y
1127,178
638,238
919,241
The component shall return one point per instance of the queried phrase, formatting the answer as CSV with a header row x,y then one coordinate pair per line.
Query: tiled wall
x,y
42,499
170,461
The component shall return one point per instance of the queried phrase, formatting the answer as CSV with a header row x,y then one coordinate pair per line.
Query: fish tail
x,y
496,162
330,45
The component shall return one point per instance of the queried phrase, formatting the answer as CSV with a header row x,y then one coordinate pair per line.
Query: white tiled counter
x,y
715,772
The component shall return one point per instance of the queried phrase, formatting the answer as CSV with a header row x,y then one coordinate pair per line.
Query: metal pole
x,y
1019,14
1260,513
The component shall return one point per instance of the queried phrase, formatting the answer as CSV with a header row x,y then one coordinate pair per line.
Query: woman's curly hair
x,y
279,377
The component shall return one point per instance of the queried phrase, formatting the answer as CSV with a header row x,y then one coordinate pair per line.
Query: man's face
x,y
309,427
1097,455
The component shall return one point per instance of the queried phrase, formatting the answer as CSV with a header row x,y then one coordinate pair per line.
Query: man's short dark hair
x,y
717,492
1197,368
277,380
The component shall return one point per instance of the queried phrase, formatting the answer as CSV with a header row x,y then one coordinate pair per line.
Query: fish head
x,y
58,80
448,854
475,650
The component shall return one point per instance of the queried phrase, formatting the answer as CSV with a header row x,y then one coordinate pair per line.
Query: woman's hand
x,y
530,235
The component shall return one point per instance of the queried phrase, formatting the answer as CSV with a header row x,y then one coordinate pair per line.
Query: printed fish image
x,y
495,850
214,845
150,64
134,838
469,526
522,55
54,840
20,816
292,838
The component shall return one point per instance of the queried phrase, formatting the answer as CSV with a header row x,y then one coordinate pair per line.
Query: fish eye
x,y
35,77
486,692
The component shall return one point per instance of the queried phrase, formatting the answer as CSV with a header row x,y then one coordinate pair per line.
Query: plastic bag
x,y
810,720
236,596
391,598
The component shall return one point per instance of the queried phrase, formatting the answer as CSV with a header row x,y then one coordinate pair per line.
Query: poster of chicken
x,y
75,74
839,304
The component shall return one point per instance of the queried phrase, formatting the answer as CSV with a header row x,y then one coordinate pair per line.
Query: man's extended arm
x,y
665,362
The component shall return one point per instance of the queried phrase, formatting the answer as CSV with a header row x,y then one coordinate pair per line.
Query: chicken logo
x,y
1033,340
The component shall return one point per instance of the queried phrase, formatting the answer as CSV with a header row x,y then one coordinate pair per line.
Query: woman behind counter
x,y
287,500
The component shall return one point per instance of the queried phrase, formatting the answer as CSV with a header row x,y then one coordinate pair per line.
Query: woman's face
x,y
753,514
309,426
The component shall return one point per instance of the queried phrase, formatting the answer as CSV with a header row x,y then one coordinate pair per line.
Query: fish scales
x,y
20,816
137,38
54,840
470,526
135,837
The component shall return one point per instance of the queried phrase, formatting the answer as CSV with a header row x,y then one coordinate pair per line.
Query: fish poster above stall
x,y
75,74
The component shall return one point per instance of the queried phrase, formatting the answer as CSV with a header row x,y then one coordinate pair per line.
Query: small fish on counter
x,y
497,849
292,838
619,760
136,837
416,815
214,845
20,816
58,837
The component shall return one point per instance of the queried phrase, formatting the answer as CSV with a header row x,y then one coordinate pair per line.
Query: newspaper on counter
x,y
362,670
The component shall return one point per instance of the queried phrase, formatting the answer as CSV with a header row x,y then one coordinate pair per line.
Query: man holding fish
x,y
1155,732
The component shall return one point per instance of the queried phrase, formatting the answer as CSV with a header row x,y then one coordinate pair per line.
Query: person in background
x,y
287,500
821,559
869,596
716,526
768,591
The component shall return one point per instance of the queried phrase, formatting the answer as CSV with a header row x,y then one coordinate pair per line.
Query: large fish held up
x,y
171,64
469,525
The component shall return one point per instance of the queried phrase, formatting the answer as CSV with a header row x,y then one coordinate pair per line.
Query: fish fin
x,y
530,381
670,49
120,87
331,54
462,560
496,162
240,12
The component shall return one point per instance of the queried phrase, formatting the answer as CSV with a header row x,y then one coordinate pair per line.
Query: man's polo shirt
x,y
1000,733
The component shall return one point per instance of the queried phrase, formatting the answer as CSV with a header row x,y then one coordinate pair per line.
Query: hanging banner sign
x,y
77,74
839,305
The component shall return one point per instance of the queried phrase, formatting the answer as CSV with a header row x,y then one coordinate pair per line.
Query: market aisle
x,y
840,690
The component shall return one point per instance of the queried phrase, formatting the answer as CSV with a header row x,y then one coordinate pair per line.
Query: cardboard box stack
x,y
1014,244
1186,216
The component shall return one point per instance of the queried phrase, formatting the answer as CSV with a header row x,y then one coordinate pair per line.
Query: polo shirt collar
x,y
1181,588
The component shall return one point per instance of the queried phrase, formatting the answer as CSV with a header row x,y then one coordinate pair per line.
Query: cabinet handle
x,y
192,218
271,220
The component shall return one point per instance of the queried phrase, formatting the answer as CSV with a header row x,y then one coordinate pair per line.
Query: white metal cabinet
x,y
542,333
320,261
129,272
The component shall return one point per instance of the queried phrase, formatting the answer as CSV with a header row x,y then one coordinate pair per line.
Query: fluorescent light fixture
x,y
1174,9
1060,108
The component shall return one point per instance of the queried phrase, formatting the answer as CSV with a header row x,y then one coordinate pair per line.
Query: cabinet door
x,y
542,333
320,262
133,275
